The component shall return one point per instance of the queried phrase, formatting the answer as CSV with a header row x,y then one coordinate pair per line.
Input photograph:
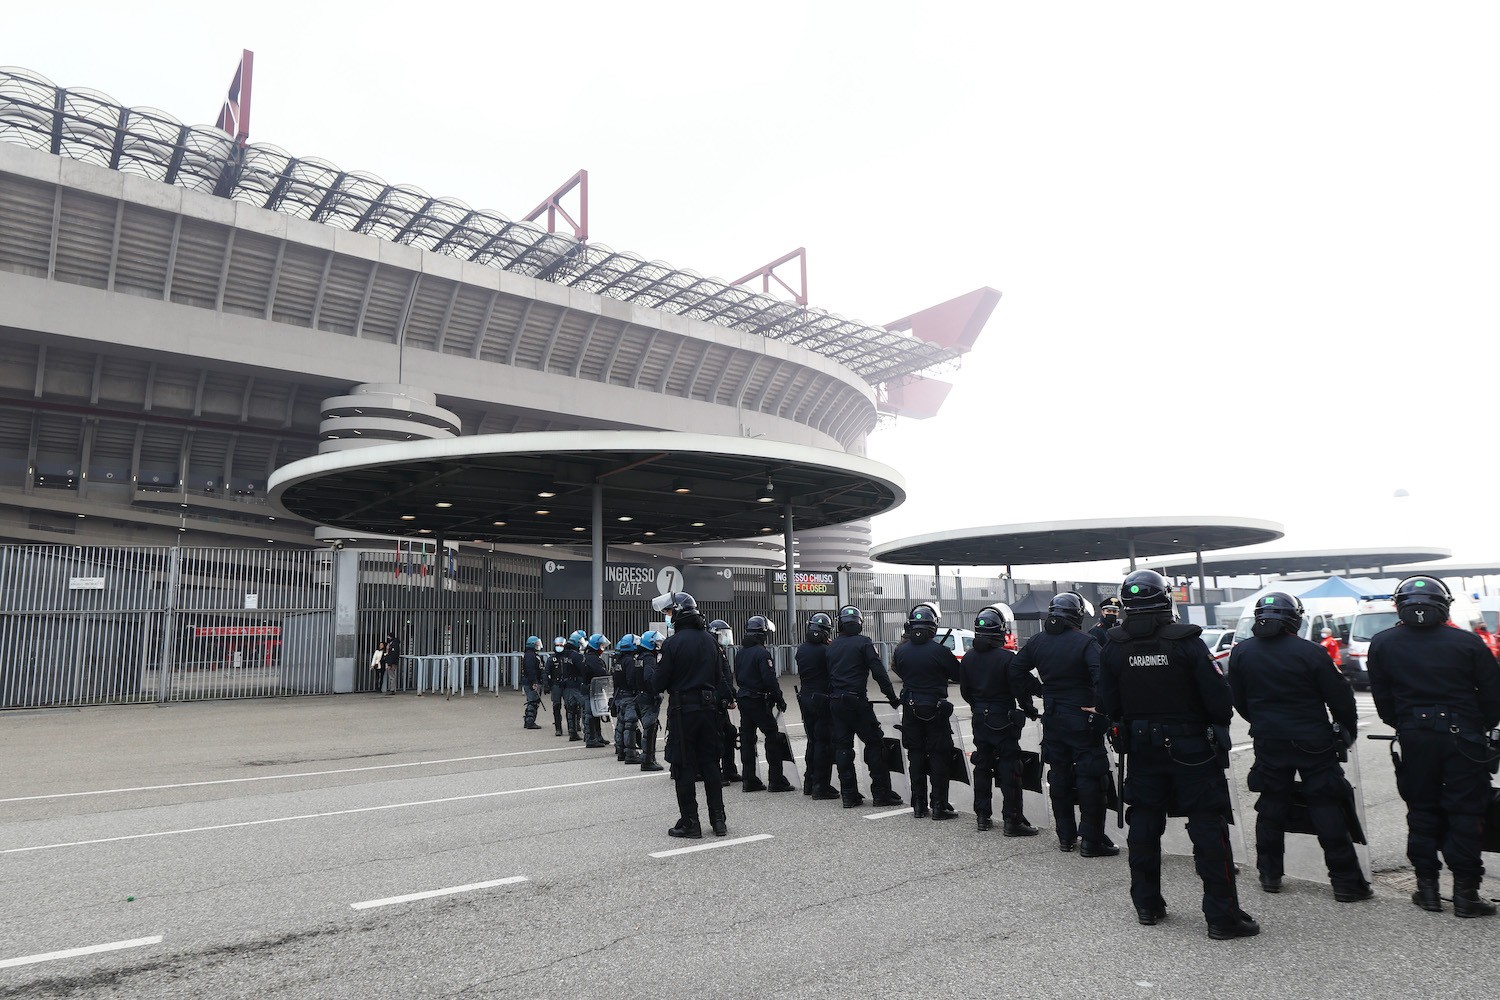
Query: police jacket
x,y
1166,677
625,666
926,668
1444,668
852,661
645,662
1068,664
1285,688
1099,633
572,667
554,669
984,679
690,662
531,668
755,673
812,667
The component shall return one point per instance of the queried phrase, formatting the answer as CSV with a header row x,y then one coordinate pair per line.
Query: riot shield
x,y
1176,841
1303,856
1037,805
958,760
1492,824
778,744
599,697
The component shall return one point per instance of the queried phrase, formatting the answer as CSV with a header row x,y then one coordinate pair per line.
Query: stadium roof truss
x,y
86,125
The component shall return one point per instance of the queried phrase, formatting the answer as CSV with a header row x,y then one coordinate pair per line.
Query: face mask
x,y
984,643
1421,615
1267,628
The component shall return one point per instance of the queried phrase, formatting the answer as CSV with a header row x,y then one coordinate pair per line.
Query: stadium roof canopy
x,y
656,487
1449,570
1322,561
1047,542
86,125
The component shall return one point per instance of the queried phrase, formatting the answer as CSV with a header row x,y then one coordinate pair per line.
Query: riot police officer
x,y
1173,705
852,661
1109,617
1439,688
758,692
691,669
1285,687
625,674
984,682
554,681
647,701
926,668
812,699
572,673
1067,661
531,681
729,733
594,668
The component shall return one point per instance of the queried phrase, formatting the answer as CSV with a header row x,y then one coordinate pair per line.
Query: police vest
x,y
1156,676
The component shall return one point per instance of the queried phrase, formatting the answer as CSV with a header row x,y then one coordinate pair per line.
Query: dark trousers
x,y
997,761
695,733
756,718
1446,788
853,715
817,724
1077,768
1277,765
557,706
729,742
573,699
533,702
929,743
1202,794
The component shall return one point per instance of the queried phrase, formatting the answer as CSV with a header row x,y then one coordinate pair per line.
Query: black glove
x,y
781,705
894,701
1032,713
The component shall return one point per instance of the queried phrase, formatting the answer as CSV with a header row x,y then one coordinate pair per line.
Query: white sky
x,y
1252,247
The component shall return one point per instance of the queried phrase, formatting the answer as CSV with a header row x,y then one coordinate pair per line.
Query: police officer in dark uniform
x,y
926,668
729,733
812,698
531,681
647,700
594,667
1439,688
1109,617
691,670
984,682
625,673
759,692
554,681
1173,705
1285,687
573,684
852,660
1067,661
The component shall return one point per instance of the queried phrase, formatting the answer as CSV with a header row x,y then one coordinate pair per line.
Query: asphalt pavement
x,y
367,846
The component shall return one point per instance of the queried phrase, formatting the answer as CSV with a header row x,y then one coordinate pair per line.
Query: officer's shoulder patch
x,y
1180,630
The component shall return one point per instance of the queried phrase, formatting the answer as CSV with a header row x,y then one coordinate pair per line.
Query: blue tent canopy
x,y
1337,586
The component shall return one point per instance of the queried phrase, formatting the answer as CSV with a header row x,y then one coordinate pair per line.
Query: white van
x,y
1318,613
1377,615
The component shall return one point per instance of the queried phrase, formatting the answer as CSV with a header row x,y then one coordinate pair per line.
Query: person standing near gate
x,y
852,661
1439,688
926,668
984,682
1285,687
573,684
555,681
759,692
691,671
812,698
531,681
594,669
390,660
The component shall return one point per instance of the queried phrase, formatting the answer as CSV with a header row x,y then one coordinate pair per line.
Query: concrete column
x,y
1202,581
1131,543
598,568
791,578
345,571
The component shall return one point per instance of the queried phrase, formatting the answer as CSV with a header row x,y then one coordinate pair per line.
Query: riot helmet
x,y
680,609
578,638
851,620
1422,601
532,642
720,628
992,625
651,640
559,644
758,628
1147,602
922,618
1276,613
1065,612
598,642
820,628
629,643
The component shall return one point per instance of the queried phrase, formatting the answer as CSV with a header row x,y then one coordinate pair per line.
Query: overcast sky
x,y
1248,252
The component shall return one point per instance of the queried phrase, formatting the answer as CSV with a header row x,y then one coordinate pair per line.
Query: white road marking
x,y
323,815
432,893
906,811
93,949
274,777
711,845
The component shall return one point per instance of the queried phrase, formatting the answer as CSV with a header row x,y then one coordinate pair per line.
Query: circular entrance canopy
x,y
657,487
1275,563
1046,542
1452,570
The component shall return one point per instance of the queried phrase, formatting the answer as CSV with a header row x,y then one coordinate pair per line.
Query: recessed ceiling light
x,y
424,531
444,503
408,517
698,524
635,543
499,524
273,517
544,513
546,545
625,517
545,494
580,529
650,534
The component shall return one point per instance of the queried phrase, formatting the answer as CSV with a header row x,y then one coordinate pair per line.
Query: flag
x,y
399,544
234,116
453,563
408,561
423,559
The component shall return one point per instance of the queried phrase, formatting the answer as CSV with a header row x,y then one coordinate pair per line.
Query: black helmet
x,y
717,624
1276,613
1144,591
1110,607
819,628
995,621
923,617
1067,607
851,620
1422,601
758,627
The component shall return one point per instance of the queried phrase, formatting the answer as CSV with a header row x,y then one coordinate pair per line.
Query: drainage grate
x,y
1403,878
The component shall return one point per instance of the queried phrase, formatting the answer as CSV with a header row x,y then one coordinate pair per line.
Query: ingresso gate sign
x,y
571,581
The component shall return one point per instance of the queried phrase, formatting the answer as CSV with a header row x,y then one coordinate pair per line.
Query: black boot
x,y
1467,901
633,746
719,823
825,792
648,753
1427,896
1098,848
1019,828
984,823
688,828
752,783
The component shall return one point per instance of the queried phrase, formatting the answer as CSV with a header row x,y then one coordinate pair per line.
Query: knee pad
x,y
1060,778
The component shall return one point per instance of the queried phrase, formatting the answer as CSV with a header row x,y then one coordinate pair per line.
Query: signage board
x,y
236,631
813,584
85,583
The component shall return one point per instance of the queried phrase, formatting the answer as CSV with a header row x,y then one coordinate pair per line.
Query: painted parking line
x,y
711,846
903,811
370,904
93,949
323,815
276,777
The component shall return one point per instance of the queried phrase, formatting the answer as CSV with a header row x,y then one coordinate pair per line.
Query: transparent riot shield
x,y
779,744
1302,855
1176,841
1037,807
599,697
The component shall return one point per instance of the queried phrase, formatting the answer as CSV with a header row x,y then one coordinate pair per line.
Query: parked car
x,y
1218,641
